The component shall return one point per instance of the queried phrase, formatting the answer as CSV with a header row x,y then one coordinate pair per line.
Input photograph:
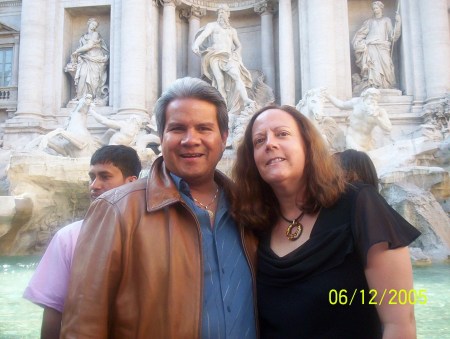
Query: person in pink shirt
x,y
110,167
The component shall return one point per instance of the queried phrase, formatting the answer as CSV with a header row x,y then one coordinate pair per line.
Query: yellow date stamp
x,y
375,297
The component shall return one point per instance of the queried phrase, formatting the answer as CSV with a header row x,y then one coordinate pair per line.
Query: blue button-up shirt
x,y
227,294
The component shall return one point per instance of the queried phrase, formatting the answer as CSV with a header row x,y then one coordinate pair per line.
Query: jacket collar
x,y
161,190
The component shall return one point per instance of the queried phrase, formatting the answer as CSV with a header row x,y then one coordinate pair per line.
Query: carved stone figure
x,y
120,132
129,132
312,107
74,139
373,44
219,46
88,65
366,115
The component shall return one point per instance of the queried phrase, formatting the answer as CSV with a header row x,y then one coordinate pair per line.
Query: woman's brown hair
x,y
255,205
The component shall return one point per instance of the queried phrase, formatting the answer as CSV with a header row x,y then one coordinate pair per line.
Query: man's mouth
x,y
191,155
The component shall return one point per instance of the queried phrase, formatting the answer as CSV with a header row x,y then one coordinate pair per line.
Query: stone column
x,y
31,60
133,58
325,29
286,54
266,10
152,27
436,47
169,47
193,15
412,61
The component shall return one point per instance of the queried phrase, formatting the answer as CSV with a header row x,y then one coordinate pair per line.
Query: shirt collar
x,y
181,185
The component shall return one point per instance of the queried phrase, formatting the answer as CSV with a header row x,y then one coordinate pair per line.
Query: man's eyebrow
x,y
100,173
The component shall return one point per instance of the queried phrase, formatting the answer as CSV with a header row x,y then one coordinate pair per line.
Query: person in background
x,y
358,167
110,167
328,251
163,258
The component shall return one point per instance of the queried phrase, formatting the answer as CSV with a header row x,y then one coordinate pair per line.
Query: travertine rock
x,y
54,192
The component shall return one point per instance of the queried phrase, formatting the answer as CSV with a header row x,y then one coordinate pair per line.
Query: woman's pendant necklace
x,y
295,228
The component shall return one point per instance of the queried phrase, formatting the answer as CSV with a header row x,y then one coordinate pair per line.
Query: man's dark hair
x,y
190,88
123,157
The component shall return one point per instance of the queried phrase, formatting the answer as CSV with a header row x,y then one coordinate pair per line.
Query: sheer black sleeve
x,y
375,221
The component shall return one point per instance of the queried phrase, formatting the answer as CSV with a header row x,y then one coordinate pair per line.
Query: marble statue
x,y
373,44
262,95
74,139
219,46
129,132
312,106
88,65
366,115
120,132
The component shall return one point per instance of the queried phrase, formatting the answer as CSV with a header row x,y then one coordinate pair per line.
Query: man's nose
x,y
191,137
94,184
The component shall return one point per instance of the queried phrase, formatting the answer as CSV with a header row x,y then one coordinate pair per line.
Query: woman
x,y
358,167
325,247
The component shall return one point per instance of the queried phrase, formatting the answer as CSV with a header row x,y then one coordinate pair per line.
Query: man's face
x,y
192,144
104,177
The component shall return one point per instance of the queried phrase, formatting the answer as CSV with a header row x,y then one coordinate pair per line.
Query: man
x,y
373,48
111,166
163,258
365,116
222,62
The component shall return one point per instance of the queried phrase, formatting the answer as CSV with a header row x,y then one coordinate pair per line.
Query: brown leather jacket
x,y
137,270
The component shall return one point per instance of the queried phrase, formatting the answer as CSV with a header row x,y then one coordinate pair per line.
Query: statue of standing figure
x,y
88,65
373,44
219,46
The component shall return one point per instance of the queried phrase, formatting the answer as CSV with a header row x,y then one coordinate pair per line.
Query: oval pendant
x,y
297,233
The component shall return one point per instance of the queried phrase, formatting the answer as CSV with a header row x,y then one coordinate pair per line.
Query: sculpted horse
x,y
312,106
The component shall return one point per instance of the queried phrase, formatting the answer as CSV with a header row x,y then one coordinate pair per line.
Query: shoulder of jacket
x,y
118,193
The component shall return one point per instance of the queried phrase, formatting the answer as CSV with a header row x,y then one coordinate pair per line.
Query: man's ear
x,y
131,178
224,140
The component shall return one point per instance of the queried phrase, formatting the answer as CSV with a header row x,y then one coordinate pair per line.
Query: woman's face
x,y
279,151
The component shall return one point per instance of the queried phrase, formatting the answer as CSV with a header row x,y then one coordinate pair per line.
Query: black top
x,y
299,294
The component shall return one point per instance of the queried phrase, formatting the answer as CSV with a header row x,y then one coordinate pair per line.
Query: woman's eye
x,y
283,133
258,141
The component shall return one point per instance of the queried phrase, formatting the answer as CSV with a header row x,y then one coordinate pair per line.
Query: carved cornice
x,y
187,13
265,7
10,3
232,4
170,2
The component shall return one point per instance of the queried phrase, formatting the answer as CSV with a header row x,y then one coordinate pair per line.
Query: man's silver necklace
x,y
208,205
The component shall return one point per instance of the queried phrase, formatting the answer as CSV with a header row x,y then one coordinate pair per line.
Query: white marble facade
x,y
149,43
299,45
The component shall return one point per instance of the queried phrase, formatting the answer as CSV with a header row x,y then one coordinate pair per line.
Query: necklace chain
x,y
206,206
292,234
